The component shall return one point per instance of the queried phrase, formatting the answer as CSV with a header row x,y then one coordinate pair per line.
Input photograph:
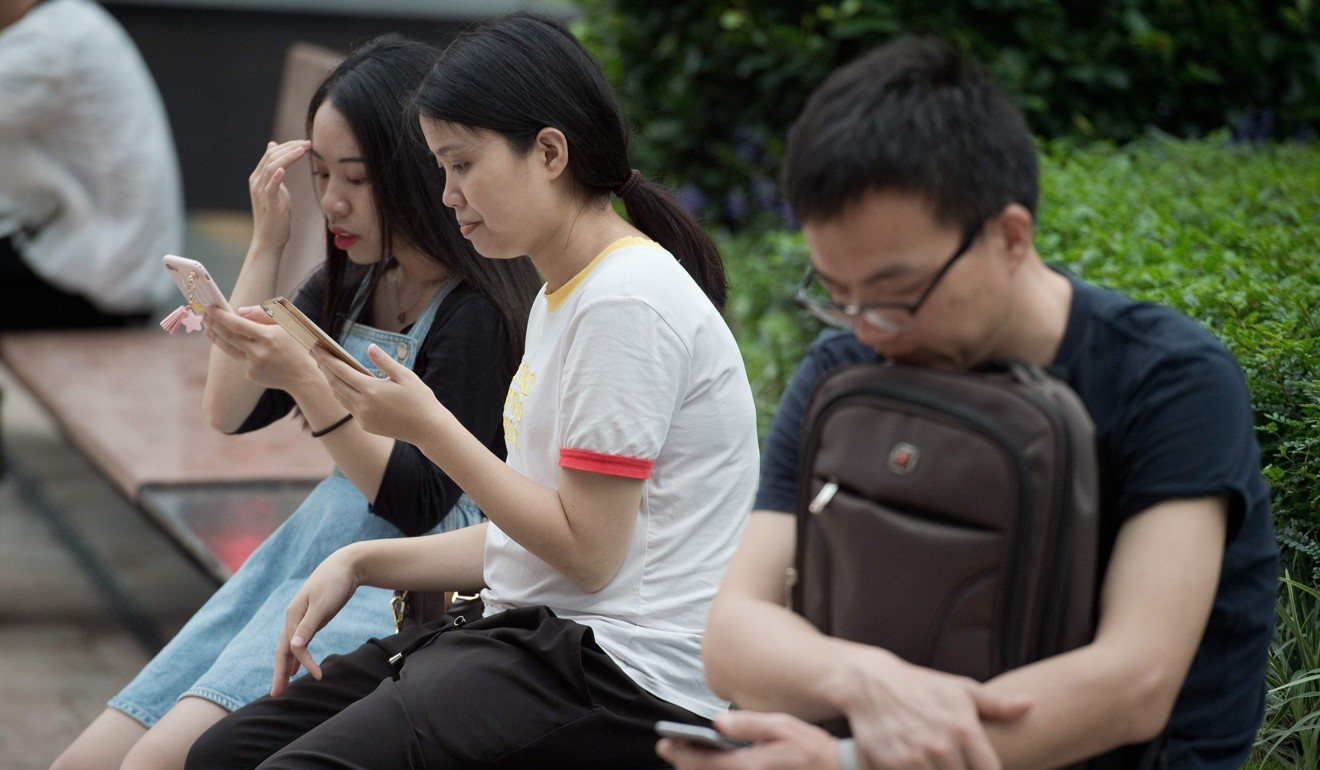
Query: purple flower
x,y
764,192
735,205
786,216
745,145
692,198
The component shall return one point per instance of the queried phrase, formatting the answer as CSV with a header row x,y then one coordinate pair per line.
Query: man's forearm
x,y
795,669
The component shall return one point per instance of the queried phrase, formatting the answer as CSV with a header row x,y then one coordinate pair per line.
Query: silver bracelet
x,y
847,754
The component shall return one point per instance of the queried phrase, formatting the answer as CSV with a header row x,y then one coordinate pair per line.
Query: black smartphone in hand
x,y
705,737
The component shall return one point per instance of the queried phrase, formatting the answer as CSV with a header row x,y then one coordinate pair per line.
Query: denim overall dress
x,y
226,652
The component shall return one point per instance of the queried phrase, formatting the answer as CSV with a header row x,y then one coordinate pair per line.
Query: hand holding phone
x,y
195,283
308,334
697,735
199,292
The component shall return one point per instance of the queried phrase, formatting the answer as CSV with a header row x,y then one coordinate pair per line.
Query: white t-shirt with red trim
x,y
629,370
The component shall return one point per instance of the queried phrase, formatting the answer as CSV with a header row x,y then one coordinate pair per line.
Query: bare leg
x,y
166,744
103,745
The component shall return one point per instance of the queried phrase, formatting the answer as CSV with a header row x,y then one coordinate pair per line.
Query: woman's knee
x,y
103,745
166,744
74,759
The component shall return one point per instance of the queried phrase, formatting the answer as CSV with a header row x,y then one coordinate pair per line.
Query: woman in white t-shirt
x,y
631,462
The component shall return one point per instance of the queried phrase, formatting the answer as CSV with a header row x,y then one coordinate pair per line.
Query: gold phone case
x,y
308,334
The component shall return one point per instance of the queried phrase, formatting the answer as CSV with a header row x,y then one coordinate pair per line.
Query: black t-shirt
x,y
462,360
1173,420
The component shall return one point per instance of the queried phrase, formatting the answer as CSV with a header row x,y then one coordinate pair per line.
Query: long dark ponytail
x,y
518,74
372,89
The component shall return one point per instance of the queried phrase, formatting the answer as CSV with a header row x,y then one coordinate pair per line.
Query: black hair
x,y
912,117
517,74
372,88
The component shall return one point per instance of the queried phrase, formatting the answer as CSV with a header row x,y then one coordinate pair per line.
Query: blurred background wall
x,y
218,66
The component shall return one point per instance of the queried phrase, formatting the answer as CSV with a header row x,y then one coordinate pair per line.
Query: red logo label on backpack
x,y
903,458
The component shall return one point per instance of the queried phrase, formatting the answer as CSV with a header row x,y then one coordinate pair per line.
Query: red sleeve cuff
x,y
613,465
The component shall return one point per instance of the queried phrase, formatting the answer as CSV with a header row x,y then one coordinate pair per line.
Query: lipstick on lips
x,y
343,238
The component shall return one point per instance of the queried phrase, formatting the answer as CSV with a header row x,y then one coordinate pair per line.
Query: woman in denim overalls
x,y
398,274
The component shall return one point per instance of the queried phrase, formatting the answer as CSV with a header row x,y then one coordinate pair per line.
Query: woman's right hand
x,y
325,593
270,198
270,357
398,406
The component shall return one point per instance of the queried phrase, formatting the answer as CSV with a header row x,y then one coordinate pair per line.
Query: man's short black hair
x,y
911,117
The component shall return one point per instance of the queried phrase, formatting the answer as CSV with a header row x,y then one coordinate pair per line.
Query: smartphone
x,y
195,283
308,334
705,737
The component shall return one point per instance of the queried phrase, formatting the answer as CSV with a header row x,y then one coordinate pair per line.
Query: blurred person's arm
x,y
34,69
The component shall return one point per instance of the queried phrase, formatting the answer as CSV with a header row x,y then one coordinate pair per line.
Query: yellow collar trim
x,y
553,299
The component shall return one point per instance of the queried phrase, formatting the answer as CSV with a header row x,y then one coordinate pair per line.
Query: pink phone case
x,y
195,283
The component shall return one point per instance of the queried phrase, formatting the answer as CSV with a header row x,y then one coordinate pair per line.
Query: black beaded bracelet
x,y
323,431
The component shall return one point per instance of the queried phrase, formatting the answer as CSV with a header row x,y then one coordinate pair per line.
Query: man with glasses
x,y
890,315
915,180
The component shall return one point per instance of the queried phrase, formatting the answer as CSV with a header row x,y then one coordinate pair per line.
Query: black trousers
x,y
520,689
28,302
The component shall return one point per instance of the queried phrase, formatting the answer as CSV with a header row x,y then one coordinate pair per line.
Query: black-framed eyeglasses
x,y
886,316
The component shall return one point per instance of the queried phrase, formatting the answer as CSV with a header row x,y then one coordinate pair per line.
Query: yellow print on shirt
x,y
520,388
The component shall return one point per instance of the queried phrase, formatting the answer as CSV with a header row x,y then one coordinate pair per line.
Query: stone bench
x,y
130,402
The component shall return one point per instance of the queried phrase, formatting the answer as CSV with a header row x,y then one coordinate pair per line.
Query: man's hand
x,y
781,742
904,716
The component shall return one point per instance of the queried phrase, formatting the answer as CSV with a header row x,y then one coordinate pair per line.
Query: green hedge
x,y
1229,236
713,86
1226,234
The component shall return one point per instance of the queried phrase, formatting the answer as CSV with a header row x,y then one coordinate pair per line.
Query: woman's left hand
x,y
400,405
325,593
780,742
270,357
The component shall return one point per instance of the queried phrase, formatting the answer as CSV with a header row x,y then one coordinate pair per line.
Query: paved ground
x,y
64,647
63,650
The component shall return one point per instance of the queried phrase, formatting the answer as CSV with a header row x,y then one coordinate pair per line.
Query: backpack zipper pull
x,y
824,496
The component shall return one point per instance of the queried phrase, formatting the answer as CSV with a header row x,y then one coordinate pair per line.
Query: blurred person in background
x,y
90,195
